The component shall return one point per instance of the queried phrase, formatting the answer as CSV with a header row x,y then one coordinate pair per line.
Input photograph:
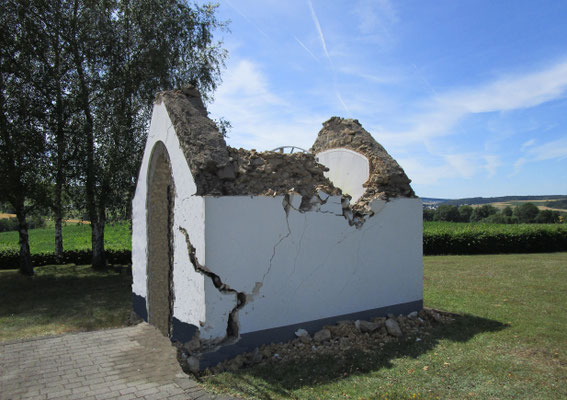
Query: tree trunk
x,y
26,266
97,229
58,235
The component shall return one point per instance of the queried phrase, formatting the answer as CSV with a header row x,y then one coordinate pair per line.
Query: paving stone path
x,y
127,363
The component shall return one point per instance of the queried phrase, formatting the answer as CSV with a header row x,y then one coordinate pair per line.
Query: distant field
x,y
539,203
435,227
117,236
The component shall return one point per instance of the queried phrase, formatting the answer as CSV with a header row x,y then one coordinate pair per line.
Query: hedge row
x,y
534,241
434,243
10,259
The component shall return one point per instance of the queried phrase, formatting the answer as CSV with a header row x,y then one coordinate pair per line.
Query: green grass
x,y
117,236
61,299
510,342
439,227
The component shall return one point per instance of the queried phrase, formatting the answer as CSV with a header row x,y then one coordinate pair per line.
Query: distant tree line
x,y
525,213
77,83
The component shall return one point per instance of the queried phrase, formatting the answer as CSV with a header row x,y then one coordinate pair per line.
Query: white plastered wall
x,y
348,170
309,265
189,213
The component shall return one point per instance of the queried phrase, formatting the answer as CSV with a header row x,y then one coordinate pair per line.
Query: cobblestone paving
x,y
128,363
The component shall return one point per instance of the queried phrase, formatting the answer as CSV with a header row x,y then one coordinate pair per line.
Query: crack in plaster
x,y
300,242
232,329
286,205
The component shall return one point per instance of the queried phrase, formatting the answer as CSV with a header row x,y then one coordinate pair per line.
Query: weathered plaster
x,y
348,170
189,212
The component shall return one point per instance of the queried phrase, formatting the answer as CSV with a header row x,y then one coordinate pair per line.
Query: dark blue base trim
x,y
182,331
249,341
139,306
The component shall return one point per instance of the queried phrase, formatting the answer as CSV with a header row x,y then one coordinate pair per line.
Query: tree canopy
x,y
78,79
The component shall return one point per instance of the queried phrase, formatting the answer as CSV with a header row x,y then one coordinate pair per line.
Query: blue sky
x,y
469,96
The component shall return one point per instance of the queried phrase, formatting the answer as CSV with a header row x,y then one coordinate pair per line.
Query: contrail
x,y
306,49
342,102
318,26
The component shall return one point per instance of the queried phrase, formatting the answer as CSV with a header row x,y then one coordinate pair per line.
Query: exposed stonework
x,y
386,179
270,173
221,170
201,142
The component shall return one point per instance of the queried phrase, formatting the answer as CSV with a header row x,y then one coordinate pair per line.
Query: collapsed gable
x,y
220,170
386,178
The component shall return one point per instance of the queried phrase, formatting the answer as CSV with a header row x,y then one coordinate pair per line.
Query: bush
x,y
493,239
9,259
11,224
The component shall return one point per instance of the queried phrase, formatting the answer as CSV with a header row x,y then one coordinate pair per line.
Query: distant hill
x,y
429,201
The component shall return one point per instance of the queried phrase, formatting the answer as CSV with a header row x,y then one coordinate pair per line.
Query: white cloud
x,y
552,150
492,162
528,143
513,92
444,110
261,120
556,149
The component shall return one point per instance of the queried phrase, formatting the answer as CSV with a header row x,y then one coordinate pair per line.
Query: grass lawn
x,y
510,342
61,299
117,236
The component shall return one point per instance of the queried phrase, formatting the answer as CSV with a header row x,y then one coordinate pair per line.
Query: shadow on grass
x,y
285,377
75,298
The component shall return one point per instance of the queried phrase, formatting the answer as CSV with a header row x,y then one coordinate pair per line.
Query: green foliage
x,y
547,217
11,224
526,212
482,212
522,213
447,213
453,238
9,258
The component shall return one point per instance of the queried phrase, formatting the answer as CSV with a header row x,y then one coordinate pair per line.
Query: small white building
x,y
233,248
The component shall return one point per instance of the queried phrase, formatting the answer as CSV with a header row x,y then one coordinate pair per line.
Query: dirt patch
x,y
386,178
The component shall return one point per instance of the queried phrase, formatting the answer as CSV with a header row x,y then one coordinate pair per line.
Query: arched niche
x,y
159,212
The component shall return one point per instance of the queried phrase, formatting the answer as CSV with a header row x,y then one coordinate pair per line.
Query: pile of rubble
x,y
220,170
343,337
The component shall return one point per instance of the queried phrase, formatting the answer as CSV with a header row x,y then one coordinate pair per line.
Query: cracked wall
x,y
263,242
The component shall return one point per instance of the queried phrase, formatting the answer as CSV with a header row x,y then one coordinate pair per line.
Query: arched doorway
x,y
160,201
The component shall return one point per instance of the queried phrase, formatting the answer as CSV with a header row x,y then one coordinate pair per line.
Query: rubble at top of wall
x,y
386,178
220,170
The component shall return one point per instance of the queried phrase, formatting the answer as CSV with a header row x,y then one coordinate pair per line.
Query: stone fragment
x,y
256,356
301,332
193,364
393,328
412,315
365,326
322,335
305,339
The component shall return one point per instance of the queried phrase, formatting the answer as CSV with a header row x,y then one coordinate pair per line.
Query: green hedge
x,y
493,239
9,258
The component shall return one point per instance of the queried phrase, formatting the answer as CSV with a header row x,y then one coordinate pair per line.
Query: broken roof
x,y
221,170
